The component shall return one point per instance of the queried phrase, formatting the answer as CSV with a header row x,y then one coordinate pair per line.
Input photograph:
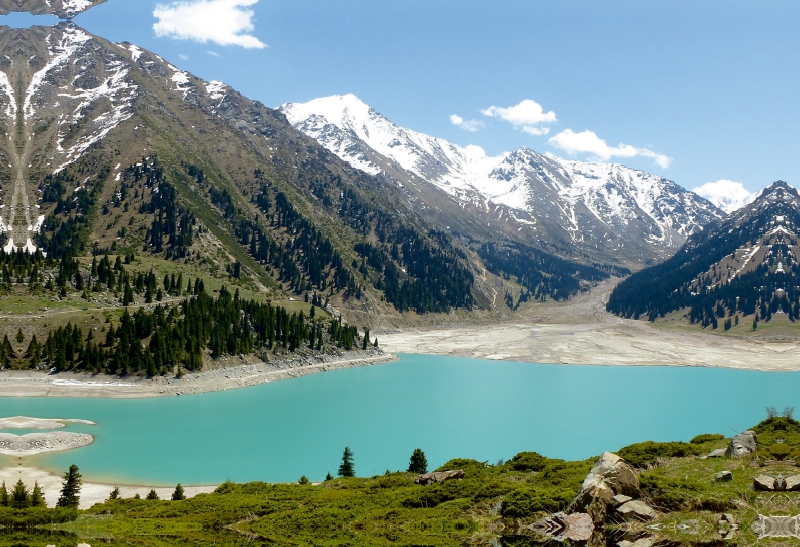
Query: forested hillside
x,y
744,267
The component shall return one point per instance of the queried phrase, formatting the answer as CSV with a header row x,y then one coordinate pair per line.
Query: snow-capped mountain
x,y
602,208
66,9
743,266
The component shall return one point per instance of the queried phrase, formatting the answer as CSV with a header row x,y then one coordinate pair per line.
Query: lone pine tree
x,y
347,469
71,490
418,462
178,494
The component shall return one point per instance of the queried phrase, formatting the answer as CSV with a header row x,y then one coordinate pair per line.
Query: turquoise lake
x,y
449,407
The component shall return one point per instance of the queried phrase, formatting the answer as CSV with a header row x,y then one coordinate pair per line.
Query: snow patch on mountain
x,y
70,58
8,90
584,196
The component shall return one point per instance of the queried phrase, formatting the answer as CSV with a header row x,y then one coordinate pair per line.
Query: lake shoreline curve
x,y
19,384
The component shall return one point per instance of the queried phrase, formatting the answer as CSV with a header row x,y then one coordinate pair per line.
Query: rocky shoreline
x,y
236,373
34,444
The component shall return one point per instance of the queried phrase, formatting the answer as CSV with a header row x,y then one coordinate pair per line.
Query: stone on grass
x,y
718,453
742,444
793,483
637,509
724,476
764,483
439,476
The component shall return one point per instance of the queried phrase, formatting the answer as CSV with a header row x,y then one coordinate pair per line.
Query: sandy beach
x,y
236,373
91,492
580,332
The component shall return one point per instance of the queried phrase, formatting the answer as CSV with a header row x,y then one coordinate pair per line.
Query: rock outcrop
x,y
439,476
742,444
609,477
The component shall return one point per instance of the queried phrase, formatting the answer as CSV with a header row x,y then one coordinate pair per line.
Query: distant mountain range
x,y
745,266
605,211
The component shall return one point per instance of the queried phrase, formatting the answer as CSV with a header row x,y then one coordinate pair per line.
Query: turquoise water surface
x,y
449,407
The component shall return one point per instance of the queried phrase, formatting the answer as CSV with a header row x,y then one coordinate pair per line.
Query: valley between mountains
x,y
156,227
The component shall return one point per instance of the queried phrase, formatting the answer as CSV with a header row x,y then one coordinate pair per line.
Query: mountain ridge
x,y
602,209
743,266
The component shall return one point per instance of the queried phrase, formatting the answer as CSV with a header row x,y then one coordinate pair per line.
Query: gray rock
x,y
724,476
764,483
619,499
718,453
793,483
637,509
742,444
609,477
439,476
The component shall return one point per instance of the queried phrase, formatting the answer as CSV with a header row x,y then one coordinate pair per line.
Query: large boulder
x,y
439,476
609,477
742,444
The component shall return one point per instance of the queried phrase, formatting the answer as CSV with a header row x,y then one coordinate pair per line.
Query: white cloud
x,y
213,53
183,57
527,115
726,194
587,142
224,22
466,125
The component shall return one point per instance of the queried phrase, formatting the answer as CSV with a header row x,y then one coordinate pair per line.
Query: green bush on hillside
x,y
644,454
707,438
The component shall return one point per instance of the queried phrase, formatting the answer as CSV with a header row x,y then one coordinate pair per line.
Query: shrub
x,y
643,454
707,438
524,503
528,462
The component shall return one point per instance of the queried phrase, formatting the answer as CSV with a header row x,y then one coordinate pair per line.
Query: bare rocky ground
x,y
234,373
580,332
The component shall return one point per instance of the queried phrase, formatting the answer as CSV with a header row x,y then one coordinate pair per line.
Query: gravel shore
x,y
239,373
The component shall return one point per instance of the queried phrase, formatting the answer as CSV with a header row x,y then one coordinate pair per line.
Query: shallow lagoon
x,y
449,407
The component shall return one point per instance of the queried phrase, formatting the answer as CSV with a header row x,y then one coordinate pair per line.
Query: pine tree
x,y
346,469
366,339
328,477
303,480
71,489
178,494
152,495
4,495
418,463
115,494
37,496
19,496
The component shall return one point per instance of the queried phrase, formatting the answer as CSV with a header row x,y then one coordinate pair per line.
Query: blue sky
x,y
712,85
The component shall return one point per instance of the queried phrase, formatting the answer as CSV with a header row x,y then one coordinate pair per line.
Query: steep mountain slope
x,y
66,9
111,149
606,211
746,265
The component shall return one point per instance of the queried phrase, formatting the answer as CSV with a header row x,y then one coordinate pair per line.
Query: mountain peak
x,y
601,207
742,266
